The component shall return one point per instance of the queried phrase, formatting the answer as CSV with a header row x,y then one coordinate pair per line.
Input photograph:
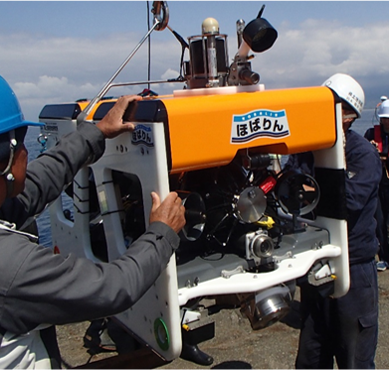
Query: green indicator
x,y
161,334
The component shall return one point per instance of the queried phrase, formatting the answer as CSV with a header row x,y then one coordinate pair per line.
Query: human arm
x,y
301,161
53,170
112,124
171,211
53,289
363,172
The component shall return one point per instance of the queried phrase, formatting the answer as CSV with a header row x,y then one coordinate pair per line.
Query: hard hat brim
x,y
17,124
30,123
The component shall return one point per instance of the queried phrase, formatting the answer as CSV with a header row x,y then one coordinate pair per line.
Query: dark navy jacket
x,y
369,135
363,175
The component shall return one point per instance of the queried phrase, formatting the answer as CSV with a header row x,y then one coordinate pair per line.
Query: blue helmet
x,y
11,116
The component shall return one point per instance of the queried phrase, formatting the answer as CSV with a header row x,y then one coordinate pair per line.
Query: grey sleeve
x,y
53,289
48,174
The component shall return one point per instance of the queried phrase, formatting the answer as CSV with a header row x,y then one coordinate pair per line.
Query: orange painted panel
x,y
207,131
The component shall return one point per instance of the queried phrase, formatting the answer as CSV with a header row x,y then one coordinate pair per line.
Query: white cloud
x,y
318,49
44,70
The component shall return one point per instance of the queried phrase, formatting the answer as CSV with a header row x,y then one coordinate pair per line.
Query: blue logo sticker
x,y
142,135
259,123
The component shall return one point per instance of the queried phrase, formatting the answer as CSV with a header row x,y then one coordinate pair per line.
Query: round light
x,y
210,26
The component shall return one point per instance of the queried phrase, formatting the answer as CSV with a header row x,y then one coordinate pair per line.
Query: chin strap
x,y
8,176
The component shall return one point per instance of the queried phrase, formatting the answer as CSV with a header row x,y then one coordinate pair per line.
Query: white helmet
x,y
383,110
347,89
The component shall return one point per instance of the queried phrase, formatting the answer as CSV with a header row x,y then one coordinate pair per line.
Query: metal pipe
x,y
84,114
240,24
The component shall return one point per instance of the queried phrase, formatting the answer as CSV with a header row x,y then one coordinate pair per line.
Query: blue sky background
x,y
62,51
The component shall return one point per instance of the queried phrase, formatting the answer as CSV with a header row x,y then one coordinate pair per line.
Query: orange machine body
x,y
207,131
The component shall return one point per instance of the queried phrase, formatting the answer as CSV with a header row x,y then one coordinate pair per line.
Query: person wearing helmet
x,y
346,328
379,137
39,289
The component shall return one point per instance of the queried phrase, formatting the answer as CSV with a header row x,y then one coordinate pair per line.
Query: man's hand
x,y
383,157
170,211
374,144
112,124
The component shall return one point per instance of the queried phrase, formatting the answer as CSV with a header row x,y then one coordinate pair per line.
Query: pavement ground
x,y
235,345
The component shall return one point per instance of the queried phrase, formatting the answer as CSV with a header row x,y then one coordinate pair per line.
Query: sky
x,y
60,51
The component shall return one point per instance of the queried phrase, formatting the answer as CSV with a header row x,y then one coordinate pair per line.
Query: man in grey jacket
x,y
39,289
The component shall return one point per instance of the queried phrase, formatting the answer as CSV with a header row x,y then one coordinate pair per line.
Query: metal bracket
x,y
227,274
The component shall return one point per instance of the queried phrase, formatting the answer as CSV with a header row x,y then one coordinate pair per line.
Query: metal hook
x,y
159,24
162,18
